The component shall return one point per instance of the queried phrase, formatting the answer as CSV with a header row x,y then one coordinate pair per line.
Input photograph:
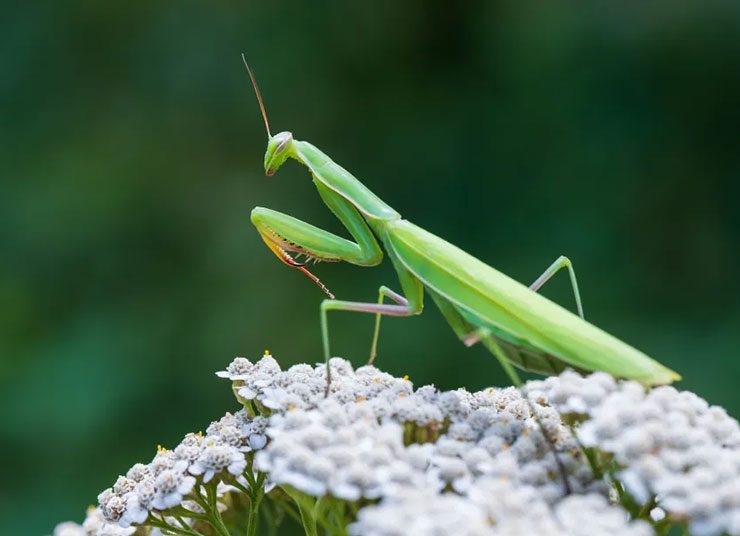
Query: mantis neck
x,y
343,182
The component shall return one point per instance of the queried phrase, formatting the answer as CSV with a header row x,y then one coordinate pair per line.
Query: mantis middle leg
x,y
383,292
410,304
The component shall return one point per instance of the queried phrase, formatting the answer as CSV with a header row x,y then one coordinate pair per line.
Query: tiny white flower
x,y
94,520
585,515
418,511
138,504
170,488
69,529
111,505
110,529
238,369
138,472
215,457
280,399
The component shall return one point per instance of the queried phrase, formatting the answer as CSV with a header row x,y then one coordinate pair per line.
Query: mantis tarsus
x,y
482,305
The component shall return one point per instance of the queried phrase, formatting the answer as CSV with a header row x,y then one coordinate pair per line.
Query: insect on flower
x,y
482,305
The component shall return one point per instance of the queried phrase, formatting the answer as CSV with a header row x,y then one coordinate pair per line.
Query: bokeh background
x,y
131,151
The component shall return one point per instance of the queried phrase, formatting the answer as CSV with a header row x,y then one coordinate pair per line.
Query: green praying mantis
x,y
519,326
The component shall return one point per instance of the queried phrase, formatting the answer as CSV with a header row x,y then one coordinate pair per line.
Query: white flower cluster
x,y
493,462
495,433
169,478
338,445
94,525
494,507
303,386
671,446
342,451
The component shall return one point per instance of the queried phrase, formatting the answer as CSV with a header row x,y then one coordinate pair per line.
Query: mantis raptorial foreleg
x,y
560,263
286,235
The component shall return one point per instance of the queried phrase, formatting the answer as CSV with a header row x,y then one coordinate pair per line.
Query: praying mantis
x,y
519,326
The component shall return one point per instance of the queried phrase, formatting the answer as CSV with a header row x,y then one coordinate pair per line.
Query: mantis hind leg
x,y
497,351
470,333
472,330
560,263
474,336
465,329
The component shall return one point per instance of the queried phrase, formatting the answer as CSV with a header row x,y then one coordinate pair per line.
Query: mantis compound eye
x,y
278,150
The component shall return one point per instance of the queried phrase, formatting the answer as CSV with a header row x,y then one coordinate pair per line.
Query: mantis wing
x,y
512,311
517,352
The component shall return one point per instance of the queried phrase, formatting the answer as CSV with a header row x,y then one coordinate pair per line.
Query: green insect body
x,y
517,324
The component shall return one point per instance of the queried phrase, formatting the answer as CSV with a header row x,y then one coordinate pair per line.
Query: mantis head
x,y
279,148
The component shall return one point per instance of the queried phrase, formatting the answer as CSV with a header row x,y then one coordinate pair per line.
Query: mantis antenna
x,y
259,95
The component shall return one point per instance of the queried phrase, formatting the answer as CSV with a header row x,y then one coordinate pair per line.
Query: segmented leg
x,y
560,263
494,347
289,238
469,333
396,297
359,307
411,303
475,337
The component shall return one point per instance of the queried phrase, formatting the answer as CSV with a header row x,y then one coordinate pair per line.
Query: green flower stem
x,y
337,516
646,508
319,508
305,508
330,514
589,453
180,511
288,508
182,522
625,499
162,524
208,503
213,503
237,485
249,476
309,522
250,409
342,518
258,493
270,518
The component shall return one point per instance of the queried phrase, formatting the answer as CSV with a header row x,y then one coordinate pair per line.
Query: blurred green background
x,y
131,151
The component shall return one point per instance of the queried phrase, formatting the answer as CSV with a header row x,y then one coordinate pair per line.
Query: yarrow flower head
x,y
674,447
568,455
